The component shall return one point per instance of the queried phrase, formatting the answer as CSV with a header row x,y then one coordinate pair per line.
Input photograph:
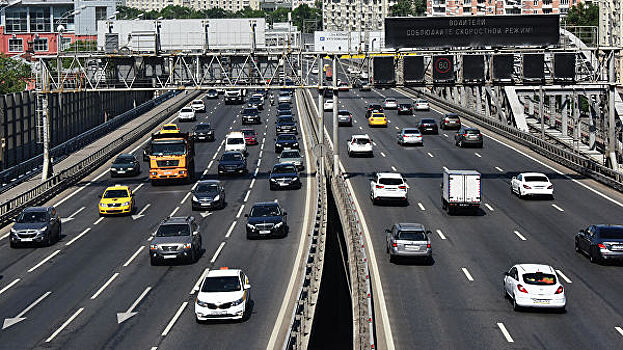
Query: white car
x,y
328,105
186,114
534,285
421,105
258,95
360,144
224,295
234,141
364,75
532,184
390,103
388,186
315,71
198,106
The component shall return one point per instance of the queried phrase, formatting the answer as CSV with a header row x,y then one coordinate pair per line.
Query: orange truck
x,y
171,157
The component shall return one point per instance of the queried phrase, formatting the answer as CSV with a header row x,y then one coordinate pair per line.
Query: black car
x,y
212,93
251,115
450,121
428,126
286,141
286,124
203,132
38,225
208,194
468,137
405,108
125,165
284,175
284,107
374,107
232,163
257,102
266,219
601,243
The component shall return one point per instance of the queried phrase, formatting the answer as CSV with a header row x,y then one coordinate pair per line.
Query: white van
x,y
234,141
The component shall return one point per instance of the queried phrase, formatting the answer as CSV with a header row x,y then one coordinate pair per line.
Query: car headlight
x,y
278,225
130,169
187,245
237,302
250,227
153,247
295,178
272,179
202,303
217,197
103,205
195,199
125,204
295,144
13,230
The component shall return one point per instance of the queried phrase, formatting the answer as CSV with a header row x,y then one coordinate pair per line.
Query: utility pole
x,y
336,144
321,99
611,111
43,100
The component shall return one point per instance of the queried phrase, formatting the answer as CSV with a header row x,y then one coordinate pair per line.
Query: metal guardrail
x,y
578,163
69,176
21,172
360,283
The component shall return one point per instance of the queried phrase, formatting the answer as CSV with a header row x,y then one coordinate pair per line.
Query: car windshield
x,y
169,127
452,117
411,132
428,121
343,112
329,101
212,91
284,112
255,100
186,109
535,178
248,132
611,232
284,169
249,111
116,194
390,100
412,235
235,141
539,278
207,188
378,115
170,148
123,160
197,102
202,127
173,230
390,181
290,154
375,107
421,101
32,217
265,210
221,284
405,105
286,120
362,141
231,156
286,138
472,132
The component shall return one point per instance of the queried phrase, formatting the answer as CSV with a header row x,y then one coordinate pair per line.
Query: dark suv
x,y
41,225
428,126
450,121
251,115
266,219
468,136
177,238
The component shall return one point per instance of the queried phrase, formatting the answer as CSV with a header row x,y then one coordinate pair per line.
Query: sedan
x,y
284,176
198,106
534,285
223,294
203,132
187,114
292,156
250,136
125,164
428,126
601,243
390,103
410,136
421,105
328,105
408,240
450,121
208,194
468,136
405,108
232,162
532,184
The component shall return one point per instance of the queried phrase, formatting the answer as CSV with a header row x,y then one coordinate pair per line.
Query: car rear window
x,y
452,117
411,132
290,155
222,284
286,120
362,141
611,233
342,112
203,127
235,141
412,235
472,132
390,181
286,138
428,121
539,278
187,109
535,179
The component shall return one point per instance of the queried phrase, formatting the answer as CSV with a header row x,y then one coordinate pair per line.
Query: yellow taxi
x,y
377,119
169,129
116,200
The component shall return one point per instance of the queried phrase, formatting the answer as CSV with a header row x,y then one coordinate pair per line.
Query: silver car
x,y
408,240
177,238
292,156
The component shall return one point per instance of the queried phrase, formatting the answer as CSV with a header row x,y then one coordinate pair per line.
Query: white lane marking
x,y
205,172
78,236
421,206
6,235
477,155
98,220
360,128
217,252
373,143
505,332
231,228
138,187
394,168
396,128
499,169
72,216
209,165
557,207
259,161
185,198
467,274
246,196
261,152
489,207
215,155
620,330
430,155
174,211
122,316
8,322
198,284
64,325
15,281
110,280
255,172
519,235
383,154
441,235
562,275
81,188
240,211
127,263
174,319
445,135
44,260
262,146
252,183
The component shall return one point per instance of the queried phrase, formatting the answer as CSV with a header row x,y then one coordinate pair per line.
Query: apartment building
x,y
611,29
497,7
229,5
350,15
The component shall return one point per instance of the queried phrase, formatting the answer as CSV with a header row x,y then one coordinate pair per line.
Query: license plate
x,y
26,239
121,171
412,247
283,184
167,173
264,232
219,313
169,256
541,301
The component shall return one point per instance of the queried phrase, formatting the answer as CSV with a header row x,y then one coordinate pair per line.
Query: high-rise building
x,y
361,15
611,29
497,7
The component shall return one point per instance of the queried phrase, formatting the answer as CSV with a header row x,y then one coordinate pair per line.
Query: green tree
x,y
304,17
404,8
582,15
14,75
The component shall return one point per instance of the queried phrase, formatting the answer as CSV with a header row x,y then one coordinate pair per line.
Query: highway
x,y
68,295
458,301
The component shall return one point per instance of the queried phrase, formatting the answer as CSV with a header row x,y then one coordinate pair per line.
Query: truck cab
x,y
171,157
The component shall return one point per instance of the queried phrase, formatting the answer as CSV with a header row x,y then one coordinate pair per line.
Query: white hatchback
x,y
328,105
532,184
534,285
360,144
223,294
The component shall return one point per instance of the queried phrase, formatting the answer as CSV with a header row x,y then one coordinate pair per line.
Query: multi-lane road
x,y
458,301
69,295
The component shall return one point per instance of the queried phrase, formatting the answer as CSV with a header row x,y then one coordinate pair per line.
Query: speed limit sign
x,y
443,68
